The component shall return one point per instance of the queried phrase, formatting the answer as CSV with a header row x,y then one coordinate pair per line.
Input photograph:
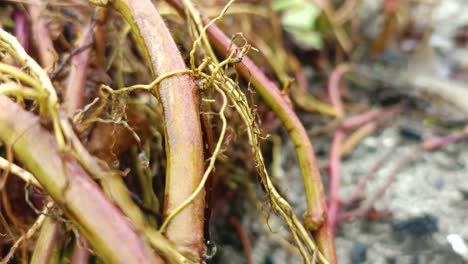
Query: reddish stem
x,y
179,97
361,119
334,180
244,238
100,36
47,243
80,252
21,29
274,98
334,88
74,94
314,218
110,233
41,37
437,143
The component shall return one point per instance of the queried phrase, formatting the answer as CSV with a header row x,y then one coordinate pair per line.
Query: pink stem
x,y
41,38
80,252
334,179
21,29
74,94
443,141
334,89
359,120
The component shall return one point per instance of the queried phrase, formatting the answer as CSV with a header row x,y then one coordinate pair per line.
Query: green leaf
x,y
301,16
285,4
307,39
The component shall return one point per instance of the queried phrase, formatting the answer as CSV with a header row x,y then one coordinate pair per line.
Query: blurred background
x,y
399,175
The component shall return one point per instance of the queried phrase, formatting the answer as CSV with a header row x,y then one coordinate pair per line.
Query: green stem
x,y
179,98
71,188
46,250
314,218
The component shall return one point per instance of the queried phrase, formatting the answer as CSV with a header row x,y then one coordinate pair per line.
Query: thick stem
x,y
314,218
179,98
108,231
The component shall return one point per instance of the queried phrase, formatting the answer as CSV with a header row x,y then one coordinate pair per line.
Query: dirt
x,y
432,186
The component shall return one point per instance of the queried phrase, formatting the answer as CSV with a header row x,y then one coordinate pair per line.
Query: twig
x,y
437,143
335,152
337,144
100,35
368,116
210,167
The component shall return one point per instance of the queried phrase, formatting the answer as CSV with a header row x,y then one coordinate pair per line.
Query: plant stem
x,y
179,98
80,251
21,29
334,182
71,188
74,94
314,218
244,238
305,153
46,249
41,37
356,137
334,89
